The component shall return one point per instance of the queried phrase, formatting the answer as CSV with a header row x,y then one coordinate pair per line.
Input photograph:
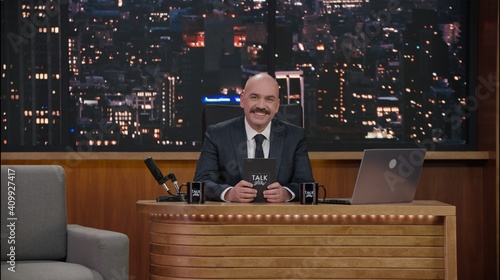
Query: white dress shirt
x,y
251,141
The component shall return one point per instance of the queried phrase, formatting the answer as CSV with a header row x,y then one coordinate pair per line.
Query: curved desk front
x,y
292,241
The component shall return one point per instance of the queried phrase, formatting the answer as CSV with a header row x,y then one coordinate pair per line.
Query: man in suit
x,y
226,144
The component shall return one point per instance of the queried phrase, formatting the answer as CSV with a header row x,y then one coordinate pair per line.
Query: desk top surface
x,y
417,207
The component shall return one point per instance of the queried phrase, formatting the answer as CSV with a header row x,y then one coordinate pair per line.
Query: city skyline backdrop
x,y
135,75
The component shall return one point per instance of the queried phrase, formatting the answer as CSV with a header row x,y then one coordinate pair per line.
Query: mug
x,y
308,193
195,192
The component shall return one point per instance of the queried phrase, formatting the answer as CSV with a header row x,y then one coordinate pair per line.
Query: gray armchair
x,y
37,242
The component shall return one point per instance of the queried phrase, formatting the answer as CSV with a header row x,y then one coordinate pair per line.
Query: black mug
x,y
195,192
308,192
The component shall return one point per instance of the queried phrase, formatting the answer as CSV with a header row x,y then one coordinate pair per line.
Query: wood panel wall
x,y
488,131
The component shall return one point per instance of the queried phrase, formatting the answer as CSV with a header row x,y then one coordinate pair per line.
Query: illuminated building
x,y
34,73
425,57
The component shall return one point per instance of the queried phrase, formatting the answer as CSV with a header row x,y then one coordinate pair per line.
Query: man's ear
x,y
242,97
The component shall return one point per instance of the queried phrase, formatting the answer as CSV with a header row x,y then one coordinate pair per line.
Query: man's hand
x,y
276,193
241,192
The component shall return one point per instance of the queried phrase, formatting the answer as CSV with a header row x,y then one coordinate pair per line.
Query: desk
x,y
292,241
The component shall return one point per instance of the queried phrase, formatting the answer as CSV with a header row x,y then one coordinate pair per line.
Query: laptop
x,y
260,172
386,176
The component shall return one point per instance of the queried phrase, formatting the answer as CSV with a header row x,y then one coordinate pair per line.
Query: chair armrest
x,y
102,250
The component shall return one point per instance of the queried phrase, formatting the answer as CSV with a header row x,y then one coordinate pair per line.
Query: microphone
x,y
172,178
155,171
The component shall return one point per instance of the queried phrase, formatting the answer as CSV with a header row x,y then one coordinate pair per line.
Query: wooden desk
x,y
293,241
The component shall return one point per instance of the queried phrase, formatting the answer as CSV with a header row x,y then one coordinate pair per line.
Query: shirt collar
x,y
251,132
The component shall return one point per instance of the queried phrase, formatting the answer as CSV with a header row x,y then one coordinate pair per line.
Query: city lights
x,y
138,75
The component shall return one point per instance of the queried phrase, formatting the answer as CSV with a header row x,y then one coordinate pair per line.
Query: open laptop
x,y
386,176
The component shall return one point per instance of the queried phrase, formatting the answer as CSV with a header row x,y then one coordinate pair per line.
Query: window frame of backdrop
x,y
357,102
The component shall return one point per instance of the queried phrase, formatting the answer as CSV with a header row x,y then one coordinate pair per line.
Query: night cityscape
x,y
120,75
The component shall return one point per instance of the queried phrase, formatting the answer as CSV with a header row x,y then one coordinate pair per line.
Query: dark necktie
x,y
259,152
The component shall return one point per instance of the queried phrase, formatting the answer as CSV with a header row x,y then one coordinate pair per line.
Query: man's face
x,y
260,101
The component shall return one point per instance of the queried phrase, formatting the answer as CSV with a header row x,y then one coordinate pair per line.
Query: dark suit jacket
x,y
221,160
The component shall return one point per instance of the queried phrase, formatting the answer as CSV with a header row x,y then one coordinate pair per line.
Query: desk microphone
x,y
172,178
150,163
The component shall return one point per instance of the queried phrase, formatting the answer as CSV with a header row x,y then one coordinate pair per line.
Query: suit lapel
x,y
239,142
277,142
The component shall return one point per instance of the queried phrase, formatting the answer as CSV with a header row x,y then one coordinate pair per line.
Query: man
x,y
227,143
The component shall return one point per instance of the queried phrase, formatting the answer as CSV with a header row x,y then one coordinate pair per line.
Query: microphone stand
x,y
178,197
162,180
170,198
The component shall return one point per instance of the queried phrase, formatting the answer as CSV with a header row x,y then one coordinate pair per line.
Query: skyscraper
x,y
34,67
425,62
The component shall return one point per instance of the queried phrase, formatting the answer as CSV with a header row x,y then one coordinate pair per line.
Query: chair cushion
x,y
52,270
36,219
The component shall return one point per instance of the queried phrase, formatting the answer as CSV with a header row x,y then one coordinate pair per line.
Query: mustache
x,y
260,110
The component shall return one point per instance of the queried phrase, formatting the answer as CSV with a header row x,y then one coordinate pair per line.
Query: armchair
x,y
37,242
